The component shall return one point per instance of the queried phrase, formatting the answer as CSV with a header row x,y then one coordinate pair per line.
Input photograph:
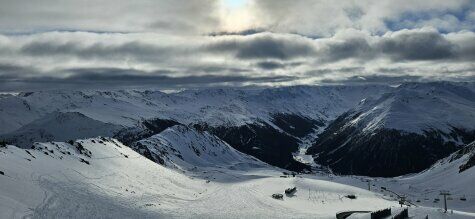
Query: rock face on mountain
x,y
467,154
263,141
404,131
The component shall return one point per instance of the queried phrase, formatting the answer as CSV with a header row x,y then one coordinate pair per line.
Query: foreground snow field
x,y
100,177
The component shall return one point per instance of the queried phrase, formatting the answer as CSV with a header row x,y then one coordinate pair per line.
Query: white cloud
x,y
325,17
177,16
301,41
423,53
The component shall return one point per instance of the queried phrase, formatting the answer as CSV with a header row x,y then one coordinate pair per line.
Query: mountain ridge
x,y
271,123
402,132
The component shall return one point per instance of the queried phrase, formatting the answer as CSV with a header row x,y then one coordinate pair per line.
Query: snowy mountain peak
x,y
404,131
59,126
184,147
82,149
417,107
214,107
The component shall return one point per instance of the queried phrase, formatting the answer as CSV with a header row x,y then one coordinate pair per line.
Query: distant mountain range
x,y
369,130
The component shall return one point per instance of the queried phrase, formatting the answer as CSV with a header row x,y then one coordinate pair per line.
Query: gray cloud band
x,y
12,78
74,57
404,45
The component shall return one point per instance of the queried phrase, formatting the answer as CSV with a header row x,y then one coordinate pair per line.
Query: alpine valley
x,y
223,152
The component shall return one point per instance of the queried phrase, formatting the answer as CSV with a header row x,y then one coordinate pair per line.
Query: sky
x,y
174,44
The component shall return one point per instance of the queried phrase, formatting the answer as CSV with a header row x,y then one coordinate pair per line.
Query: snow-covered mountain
x,y
59,126
455,174
186,148
215,107
266,123
369,130
404,131
416,107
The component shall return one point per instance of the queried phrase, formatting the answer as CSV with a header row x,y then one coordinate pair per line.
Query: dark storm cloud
x,y
98,50
417,46
264,46
414,45
326,71
405,45
374,79
391,70
114,75
105,78
270,65
259,46
9,70
216,69
238,33
172,26
357,48
465,49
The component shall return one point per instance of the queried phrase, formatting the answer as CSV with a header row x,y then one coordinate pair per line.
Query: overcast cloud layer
x,y
180,43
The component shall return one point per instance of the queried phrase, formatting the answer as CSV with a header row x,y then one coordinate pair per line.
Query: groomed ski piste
x,y
102,178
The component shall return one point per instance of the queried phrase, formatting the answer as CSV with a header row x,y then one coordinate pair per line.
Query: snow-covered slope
x,y
14,113
60,180
404,131
214,107
265,123
186,148
451,174
60,127
418,107
100,177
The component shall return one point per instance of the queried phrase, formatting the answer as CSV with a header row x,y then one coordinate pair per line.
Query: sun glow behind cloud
x,y
237,15
234,3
